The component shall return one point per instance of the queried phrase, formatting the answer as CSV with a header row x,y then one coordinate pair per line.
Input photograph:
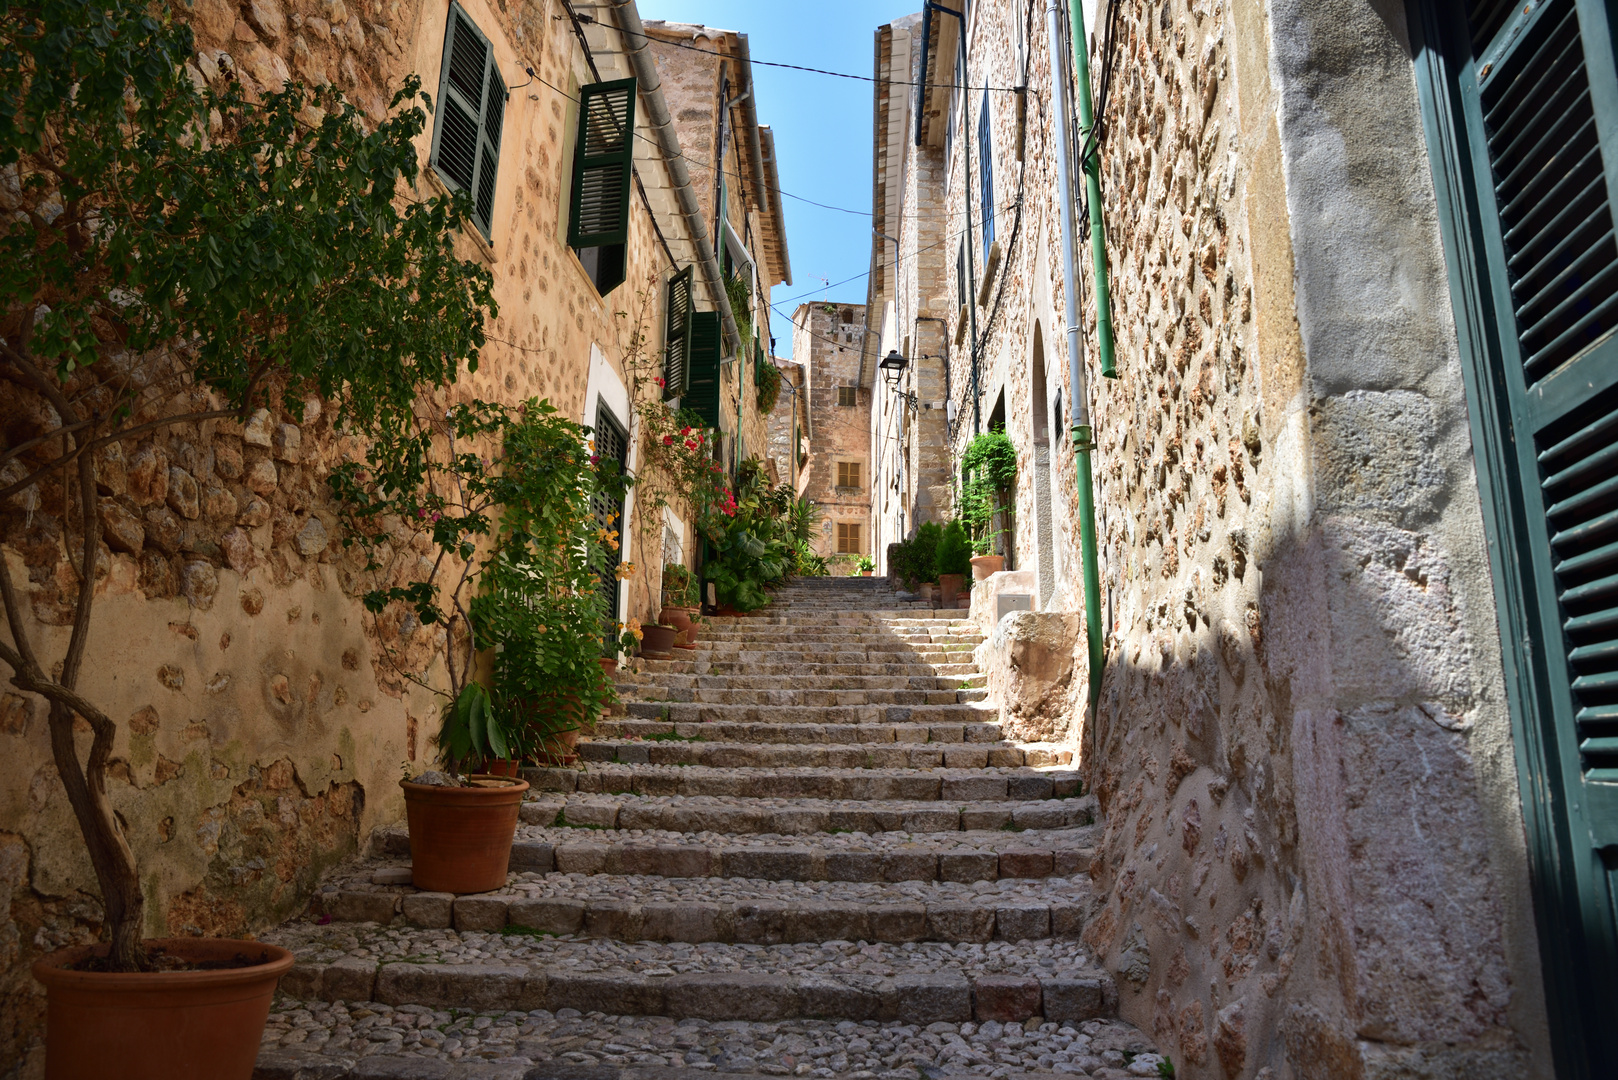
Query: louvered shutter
x,y
702,389
471,112
602,165
677,336
612,445
1523,104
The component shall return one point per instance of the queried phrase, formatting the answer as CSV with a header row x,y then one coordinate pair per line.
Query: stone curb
x,y
948,997
290,1065
752,922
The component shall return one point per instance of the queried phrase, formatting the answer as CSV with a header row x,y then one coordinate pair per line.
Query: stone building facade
x,y
788,426
1314,758
264,715
828,343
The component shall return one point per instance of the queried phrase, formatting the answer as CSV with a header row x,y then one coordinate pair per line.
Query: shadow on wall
x,y
1295,861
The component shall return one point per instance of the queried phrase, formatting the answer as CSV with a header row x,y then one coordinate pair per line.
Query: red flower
x,y
689,445
660,382
668,440
594,458
685,431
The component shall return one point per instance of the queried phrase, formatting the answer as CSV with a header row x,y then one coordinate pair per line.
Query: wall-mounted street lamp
x,y
893,368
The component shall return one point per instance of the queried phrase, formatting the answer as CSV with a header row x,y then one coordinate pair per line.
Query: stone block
x,y
1010,999
732,996
481,987
1022,922
902,865
966,757
973,789
1030,786
853,820
827,920
377,907
959,922
486,913
615,920
795,821
352,978
1026,863
1072,862
1005,757
938,998
985,818
1067,920
763,922
663,860
532,857
684,920
552,779
613,994
828,997
771,864
967,866
931,819
1079,997
1046,815
1065,785
946,733
581,858
638,815
429,910
854,865
551,914
302,981
410,1067
896,922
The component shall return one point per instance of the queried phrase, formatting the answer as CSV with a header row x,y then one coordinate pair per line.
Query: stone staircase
x,y
802,848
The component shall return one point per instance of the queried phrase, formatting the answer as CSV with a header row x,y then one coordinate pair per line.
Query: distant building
x,y
828,341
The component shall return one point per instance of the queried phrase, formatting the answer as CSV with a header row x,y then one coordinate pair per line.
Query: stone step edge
x,y
751,755
775,863
940,997
926,818
696,922
279,1064
913,786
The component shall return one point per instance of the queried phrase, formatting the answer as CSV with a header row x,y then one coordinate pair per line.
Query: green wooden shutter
x,y
471,111
1522,113
702,390
603,160
677,336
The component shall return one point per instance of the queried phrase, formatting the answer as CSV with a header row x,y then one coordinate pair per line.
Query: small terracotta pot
x,y
500,767
460,837
559,748
609,664
680,619
658,642
949,588
160,1024
984,565
865,573
926,590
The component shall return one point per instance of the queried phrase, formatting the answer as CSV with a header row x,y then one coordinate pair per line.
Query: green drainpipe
x,y
1079,410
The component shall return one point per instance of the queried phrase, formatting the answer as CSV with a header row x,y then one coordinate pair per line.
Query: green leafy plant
x,y
756,539
768,378
954,553
680,587
739,291
173,254
864,564
989,468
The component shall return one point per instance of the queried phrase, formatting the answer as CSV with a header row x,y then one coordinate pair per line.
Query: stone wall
x,y
827,339
262,727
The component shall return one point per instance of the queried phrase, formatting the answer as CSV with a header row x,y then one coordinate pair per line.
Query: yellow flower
x,y
625,571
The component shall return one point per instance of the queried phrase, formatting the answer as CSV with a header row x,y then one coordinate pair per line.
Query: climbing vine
x,y
989,470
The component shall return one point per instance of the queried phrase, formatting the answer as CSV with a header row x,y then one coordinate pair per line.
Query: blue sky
x,y
822,128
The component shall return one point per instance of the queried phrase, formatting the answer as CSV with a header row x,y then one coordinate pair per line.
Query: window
x,y
702,380
848,538
848,395
677,335
848,474
472,107
603,164
848,316
986,174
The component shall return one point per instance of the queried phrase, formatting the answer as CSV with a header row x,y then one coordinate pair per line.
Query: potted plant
x,y
865,565
953,562
923,557
680,604
118,328
990,470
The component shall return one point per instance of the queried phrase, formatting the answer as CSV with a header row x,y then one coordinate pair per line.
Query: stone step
x,y
687,663
348,1041
919,983
798,697
697,712
946,785
630,681
750,755
801,817
962,857
751,652
731,731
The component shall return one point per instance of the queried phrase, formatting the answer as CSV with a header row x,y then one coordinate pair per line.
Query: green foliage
x,y
680,587
990,470
915,560
756,540
864,564
954,553
739,291
768,377
469,730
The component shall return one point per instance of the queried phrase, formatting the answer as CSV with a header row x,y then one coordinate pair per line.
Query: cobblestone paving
x,y
694,897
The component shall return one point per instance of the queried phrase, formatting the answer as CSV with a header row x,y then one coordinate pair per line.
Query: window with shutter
x,y
848,395
612,446
986,174
848,474
702,384
1521,103
603,167
677,335
848,538
471,111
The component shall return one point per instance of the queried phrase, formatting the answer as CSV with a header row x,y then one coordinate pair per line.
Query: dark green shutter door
x,y
1540,121
677,336
471,110
702,391
612,445
602,165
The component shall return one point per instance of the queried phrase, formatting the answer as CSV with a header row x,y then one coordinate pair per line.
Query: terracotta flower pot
x,y
658,642
984,565
949,588
160,1024
505,767
559,748
865,573
926,590
460,837
609,664
680,619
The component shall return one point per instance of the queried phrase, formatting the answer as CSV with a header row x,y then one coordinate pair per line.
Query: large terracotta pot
x,y
984,565
949,588
609,664
460,837
657,642
162,1024
685,630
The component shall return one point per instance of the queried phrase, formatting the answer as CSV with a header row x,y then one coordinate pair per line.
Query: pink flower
x,y
436,515
420,512
594,458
